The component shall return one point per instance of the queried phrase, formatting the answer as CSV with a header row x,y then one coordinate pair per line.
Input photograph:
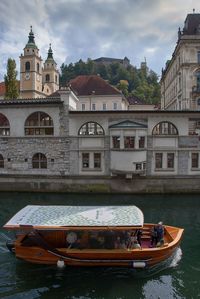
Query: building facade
x,y
180,82
50,137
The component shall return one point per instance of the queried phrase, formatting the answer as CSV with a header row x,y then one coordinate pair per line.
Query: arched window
x,y
38,67
39,161
47,77
165,128
1,161
27,66
39,123
91,128
198,79
4,126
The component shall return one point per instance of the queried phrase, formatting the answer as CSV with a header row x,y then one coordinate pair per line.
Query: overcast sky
x,y
81,29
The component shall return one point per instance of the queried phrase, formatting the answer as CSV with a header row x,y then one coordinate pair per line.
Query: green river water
x,y
178,278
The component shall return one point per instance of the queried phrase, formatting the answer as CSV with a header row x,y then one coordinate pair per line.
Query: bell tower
x,y
50,74
31,70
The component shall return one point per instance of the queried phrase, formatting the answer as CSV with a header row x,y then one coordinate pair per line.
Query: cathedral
x,y
37,79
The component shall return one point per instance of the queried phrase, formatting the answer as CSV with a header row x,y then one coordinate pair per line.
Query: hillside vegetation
x,y
142,82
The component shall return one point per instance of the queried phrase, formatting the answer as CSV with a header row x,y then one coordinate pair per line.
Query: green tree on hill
x,y
11,81
131,81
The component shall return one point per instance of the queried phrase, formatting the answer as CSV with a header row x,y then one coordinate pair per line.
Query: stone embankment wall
x,y
100,185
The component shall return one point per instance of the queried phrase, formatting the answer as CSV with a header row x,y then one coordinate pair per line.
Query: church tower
x,y
31,70
50,74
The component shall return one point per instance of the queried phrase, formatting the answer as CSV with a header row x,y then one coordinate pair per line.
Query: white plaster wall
x,y
125,160
164,142
91,142
99,100
17,117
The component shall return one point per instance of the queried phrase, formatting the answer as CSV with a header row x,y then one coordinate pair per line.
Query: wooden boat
x,y
88,236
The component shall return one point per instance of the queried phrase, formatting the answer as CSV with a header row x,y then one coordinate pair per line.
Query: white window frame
x,y
104,106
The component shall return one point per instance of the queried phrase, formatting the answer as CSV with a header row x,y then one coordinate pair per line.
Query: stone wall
x,y
18,153
100,185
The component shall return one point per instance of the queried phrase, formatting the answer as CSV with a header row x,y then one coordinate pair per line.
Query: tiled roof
x,y
92,85
133,100
30,101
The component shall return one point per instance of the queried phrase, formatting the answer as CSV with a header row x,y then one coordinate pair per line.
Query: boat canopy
x,y
47,217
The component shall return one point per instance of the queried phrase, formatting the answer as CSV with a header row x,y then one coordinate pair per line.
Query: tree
x,y
142,82
123,86
11,81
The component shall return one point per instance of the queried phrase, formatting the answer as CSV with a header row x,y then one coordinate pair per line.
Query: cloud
x,y
78,29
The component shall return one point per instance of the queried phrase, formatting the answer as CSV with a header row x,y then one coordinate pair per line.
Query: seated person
x,y
136,245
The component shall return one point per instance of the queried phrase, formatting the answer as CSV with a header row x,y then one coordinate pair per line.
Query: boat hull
x,y
137,258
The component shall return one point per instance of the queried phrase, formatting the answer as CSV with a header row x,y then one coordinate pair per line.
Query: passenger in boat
x,y
160,234
109,239
136,245
154,236
138,234
132,240
84,240
93,240
101,239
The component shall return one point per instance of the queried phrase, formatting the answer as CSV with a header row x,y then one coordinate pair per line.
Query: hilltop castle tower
x,y
36,80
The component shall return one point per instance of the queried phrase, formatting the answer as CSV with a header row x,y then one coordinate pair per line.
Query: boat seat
x,y
146,237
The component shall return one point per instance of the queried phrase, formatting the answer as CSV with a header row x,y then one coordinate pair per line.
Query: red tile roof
x,y
87,85
133,100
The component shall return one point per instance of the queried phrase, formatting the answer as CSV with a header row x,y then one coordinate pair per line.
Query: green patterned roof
x,y
59,216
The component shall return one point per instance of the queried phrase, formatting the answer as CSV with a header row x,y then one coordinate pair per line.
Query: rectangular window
x,y
195,160
198,56
85,160
170,160
97,160
1,162
129,142
115,106
104,106
138,166
159,160
83,107
93,107
116,141
141,142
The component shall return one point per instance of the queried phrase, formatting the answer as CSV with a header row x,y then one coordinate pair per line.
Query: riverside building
x,y
88,137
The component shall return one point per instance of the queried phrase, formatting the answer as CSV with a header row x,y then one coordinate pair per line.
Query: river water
x,y
178,278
